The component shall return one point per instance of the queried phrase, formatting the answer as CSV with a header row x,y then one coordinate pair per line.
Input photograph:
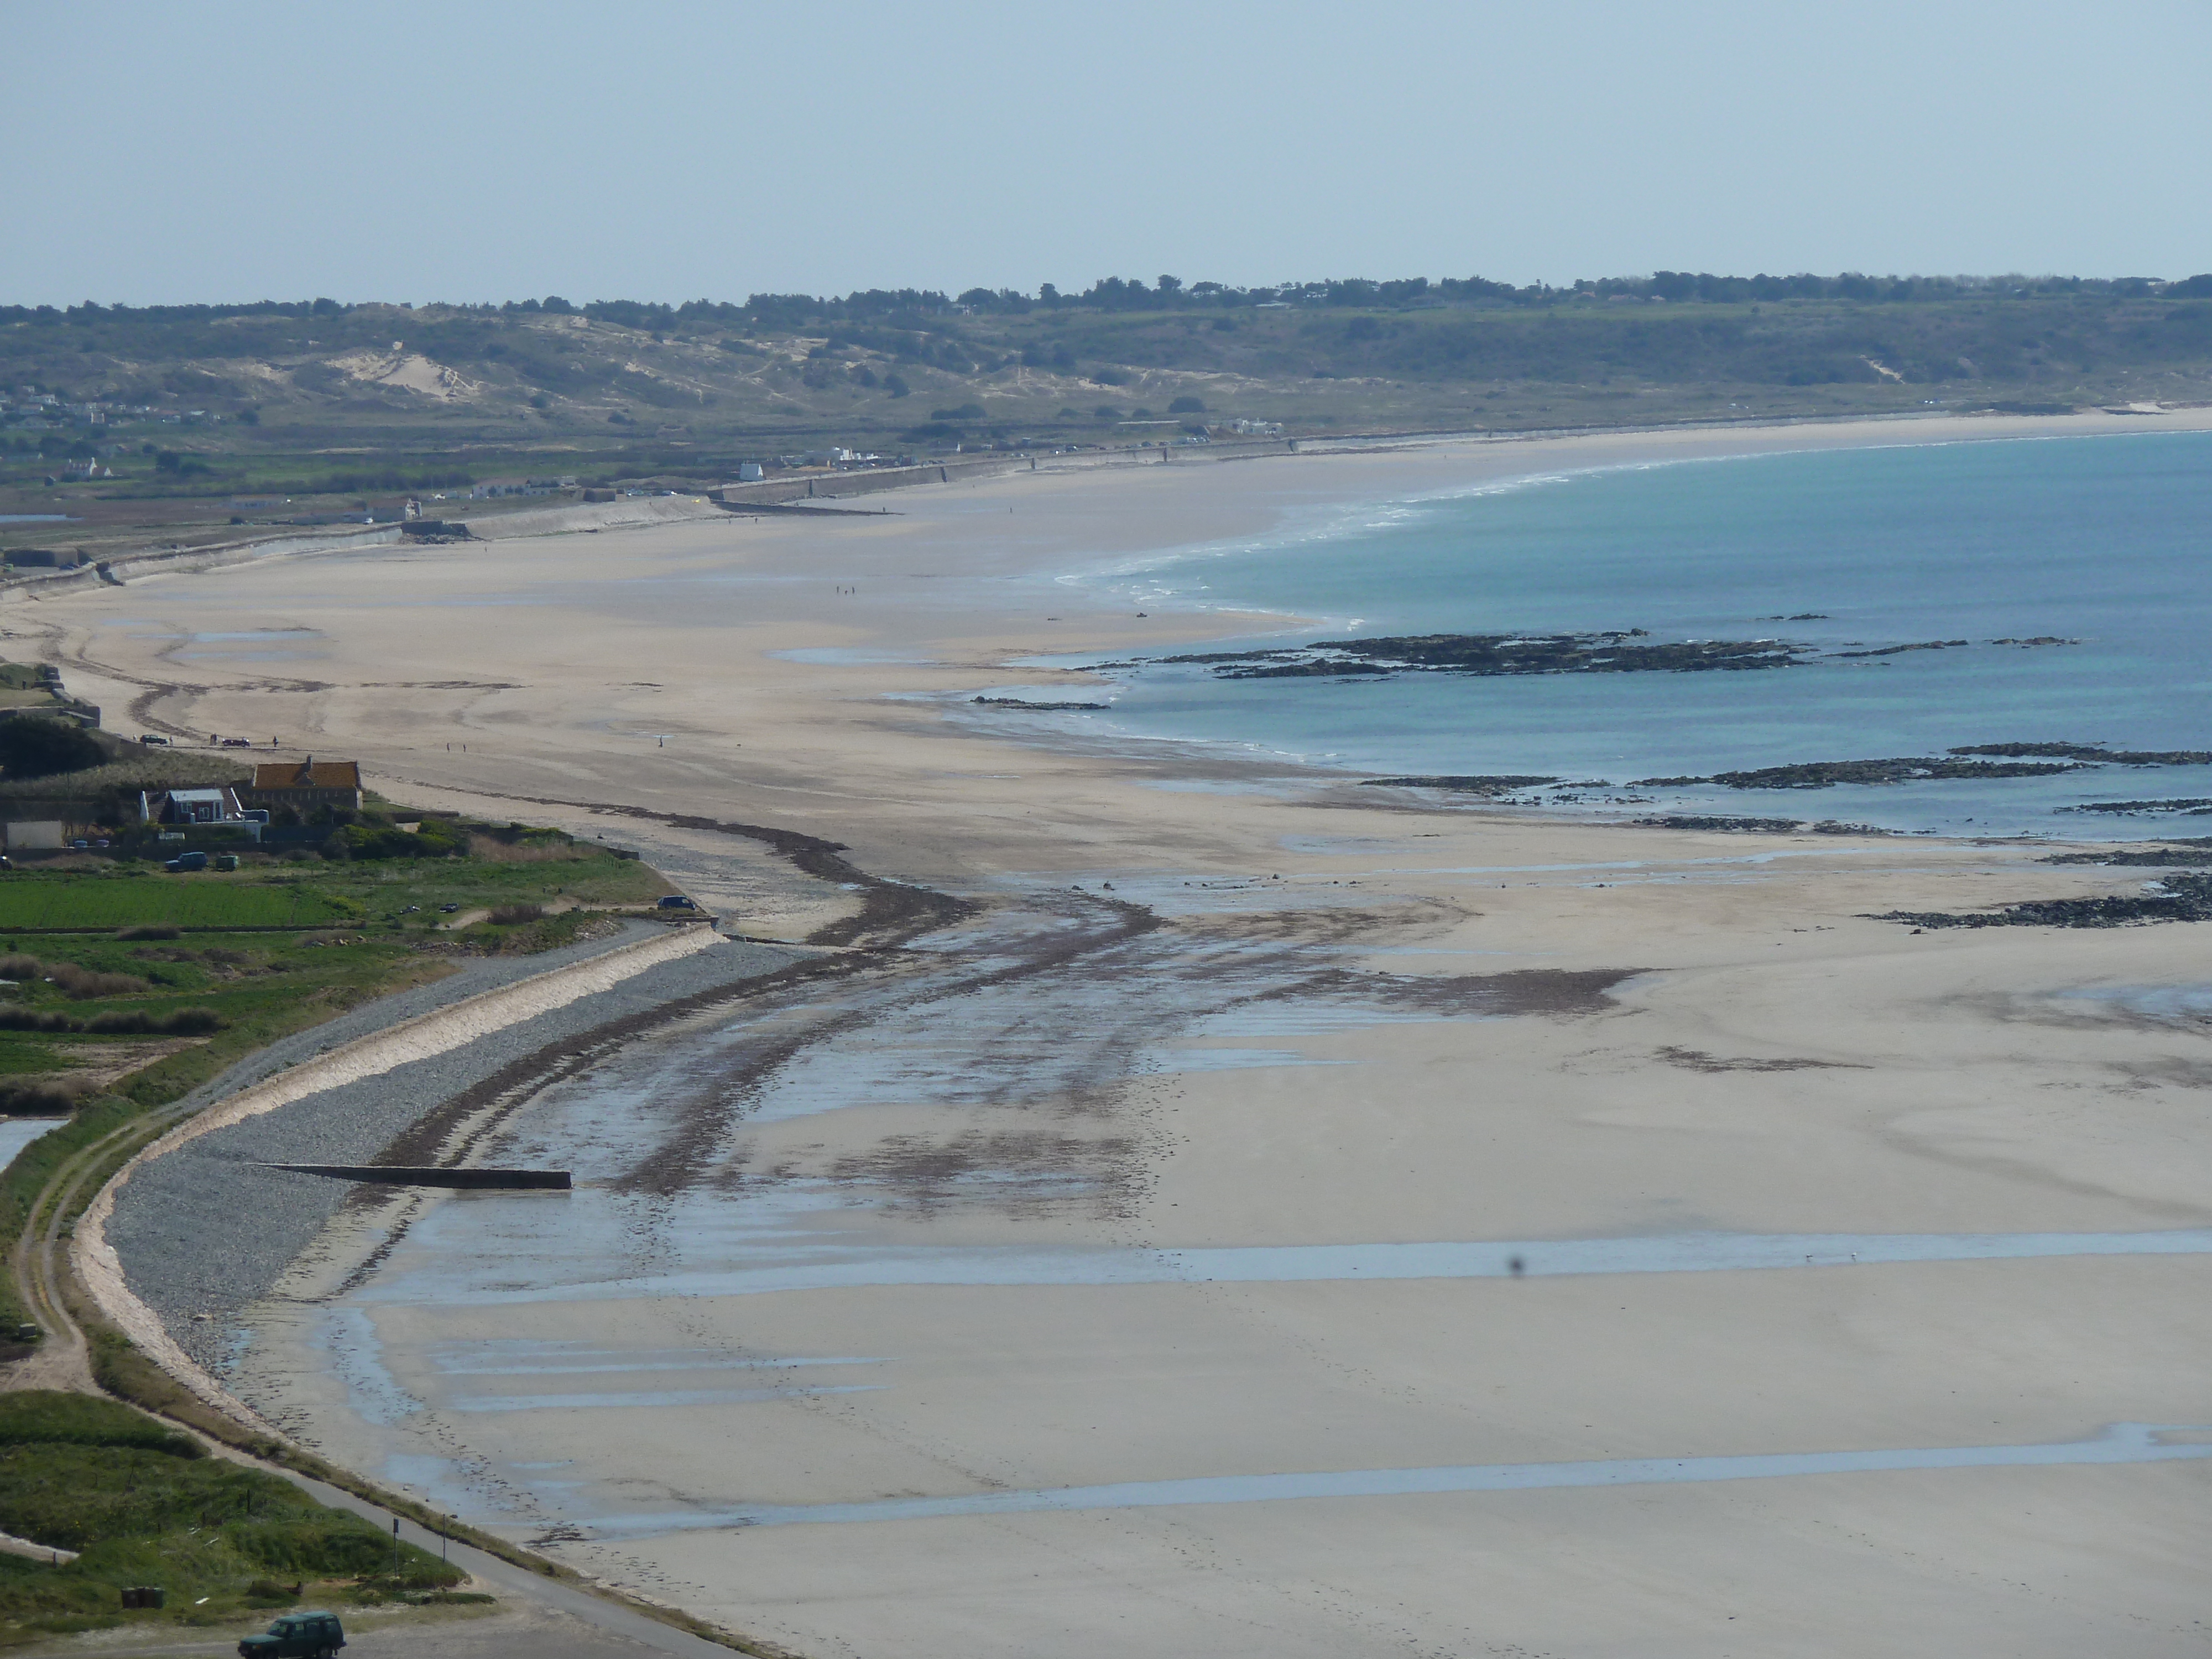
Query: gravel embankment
x,y
205,1231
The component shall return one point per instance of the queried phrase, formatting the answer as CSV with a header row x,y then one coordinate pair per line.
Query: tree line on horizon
x,y
1168,293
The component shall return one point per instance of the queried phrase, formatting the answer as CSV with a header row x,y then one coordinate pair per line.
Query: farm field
x,y
40,903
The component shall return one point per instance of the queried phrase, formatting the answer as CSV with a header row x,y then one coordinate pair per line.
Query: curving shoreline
x,y
1784,1066
159,1201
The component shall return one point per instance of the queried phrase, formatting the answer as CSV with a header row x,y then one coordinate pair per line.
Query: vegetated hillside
x,y
320,398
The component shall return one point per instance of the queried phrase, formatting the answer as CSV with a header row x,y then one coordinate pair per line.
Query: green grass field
x,y
34,900
146,1507
338,933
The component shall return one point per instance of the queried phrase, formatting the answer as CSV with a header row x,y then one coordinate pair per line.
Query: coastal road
x,y
540,1618
546,1619
554,1620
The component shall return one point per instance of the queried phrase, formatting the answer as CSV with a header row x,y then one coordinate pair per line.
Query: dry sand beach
x,y
1273,1219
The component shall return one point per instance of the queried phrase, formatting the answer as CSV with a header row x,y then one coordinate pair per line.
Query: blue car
x,y
296,1635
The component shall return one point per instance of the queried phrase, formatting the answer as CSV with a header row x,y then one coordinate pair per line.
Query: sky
x,y
489,151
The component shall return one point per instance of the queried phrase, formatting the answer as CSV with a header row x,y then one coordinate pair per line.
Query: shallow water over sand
x,y
2118,1443
499,1249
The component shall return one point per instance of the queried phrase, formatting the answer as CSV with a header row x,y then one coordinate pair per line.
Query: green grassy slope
x,y
145,1507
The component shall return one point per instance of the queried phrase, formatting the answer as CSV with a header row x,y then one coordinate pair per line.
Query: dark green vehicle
x,y
296,1635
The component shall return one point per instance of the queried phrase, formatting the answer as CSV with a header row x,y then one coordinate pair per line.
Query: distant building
x,y
218,805
306,786
45,833
750,472
497,488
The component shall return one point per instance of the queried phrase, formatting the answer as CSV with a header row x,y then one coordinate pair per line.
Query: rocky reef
x,y
1028,707
2194,852
1616,651
2177,898
2193,806
1979,760
1903,768
1486,654
1491,784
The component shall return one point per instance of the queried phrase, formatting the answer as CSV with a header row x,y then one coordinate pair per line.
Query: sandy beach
x,y
1039,1288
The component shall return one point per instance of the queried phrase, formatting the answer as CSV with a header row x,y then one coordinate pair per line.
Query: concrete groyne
x,y
99,1268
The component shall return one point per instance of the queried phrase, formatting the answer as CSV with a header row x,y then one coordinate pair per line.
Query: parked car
x,y
675,901
296,1635
238,743
157,741
186,861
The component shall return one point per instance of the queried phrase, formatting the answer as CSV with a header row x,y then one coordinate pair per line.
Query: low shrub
x,y
35,1019
38,1097
116,1022
178,1022
35,748
512,915
536,849
83,984
150,931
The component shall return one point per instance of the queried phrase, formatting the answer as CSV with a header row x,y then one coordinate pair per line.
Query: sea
x,y
2099,542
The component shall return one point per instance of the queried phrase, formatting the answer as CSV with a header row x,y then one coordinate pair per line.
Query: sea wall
x,y
831,486
868,481
186,560
628,513
190,1226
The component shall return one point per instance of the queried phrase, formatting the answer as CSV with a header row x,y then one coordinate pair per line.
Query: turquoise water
x,y
2101,541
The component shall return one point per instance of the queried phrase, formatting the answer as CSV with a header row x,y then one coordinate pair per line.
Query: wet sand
x,y
1136,1267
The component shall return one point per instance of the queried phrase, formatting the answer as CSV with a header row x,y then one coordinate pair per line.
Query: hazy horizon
x,y
1072,293
403,152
